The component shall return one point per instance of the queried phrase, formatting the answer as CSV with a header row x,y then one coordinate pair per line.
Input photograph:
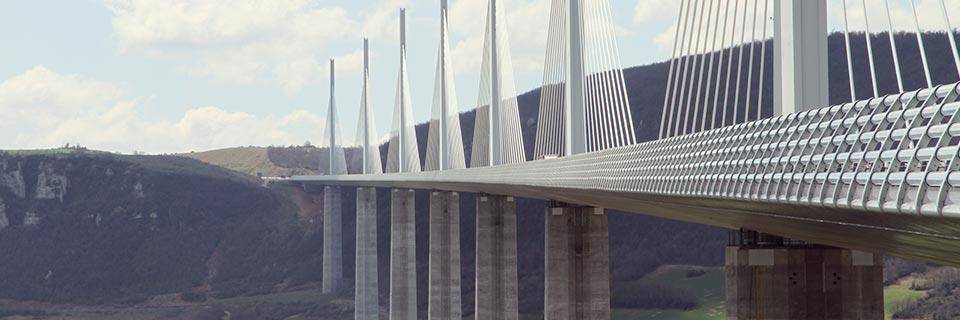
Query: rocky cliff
x,y
96,228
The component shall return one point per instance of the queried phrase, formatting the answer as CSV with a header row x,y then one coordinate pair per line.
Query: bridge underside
x,y
924,238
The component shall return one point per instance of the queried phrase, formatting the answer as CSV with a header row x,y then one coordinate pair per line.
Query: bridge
x,y
817,193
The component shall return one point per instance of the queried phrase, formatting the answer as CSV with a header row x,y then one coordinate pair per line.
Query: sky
x,y
167,76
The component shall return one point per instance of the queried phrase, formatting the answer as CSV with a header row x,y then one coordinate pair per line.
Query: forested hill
x,y
646,85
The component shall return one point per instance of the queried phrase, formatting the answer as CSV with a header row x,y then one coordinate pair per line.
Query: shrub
x,y
693,273
653,296
193,296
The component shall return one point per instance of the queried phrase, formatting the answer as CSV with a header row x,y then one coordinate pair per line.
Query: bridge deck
x,y
881,175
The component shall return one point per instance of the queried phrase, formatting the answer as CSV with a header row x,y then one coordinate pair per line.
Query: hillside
x,y
102,228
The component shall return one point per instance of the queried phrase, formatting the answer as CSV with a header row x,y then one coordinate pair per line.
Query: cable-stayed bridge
x,y
818,193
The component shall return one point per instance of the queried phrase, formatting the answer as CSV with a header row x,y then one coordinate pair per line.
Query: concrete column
x,y
496,287
803,282
332,280
800,56
577,263
403,255
366,302
444,290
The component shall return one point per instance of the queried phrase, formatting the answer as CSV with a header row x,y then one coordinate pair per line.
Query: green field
x,y
897,294
287,305
708,287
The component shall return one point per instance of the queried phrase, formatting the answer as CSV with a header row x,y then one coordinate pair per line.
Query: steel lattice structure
x,y
887,168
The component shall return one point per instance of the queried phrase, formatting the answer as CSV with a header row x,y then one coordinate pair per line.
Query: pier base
x,y
771,278
444,283
577,263
403,255
332,280
496,287
366,301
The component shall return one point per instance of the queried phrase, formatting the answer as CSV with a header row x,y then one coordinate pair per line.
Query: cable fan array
x,y
705,79
894,52
498,94
607,115
444,142
403,154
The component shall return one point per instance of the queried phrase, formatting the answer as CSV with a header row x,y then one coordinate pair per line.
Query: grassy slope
x,y
709,288
248,160
304,304
897,294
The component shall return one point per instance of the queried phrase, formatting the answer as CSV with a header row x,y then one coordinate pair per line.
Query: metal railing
x,y
897,153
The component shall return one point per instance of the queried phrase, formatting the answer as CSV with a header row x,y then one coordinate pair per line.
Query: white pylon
x,y
497,137
444,142
583,103
336,161
800,55
403,154
366,128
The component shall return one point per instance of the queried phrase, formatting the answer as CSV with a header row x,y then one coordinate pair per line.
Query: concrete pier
x,y
403,255
332,280
444,276
366,302
496,282
577,263
782,280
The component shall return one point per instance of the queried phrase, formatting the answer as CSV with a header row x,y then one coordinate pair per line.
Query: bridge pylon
x,y
366,287
403,156
444,151
332,277
769,277
583,108
800,56
497,140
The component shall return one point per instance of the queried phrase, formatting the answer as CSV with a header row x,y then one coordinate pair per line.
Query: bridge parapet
x,y
816,175
897,153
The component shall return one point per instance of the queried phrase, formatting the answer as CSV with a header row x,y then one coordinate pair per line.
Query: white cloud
x,y
47,109
350,63
655,11
381,21
527,22
649,13
38,88
236,41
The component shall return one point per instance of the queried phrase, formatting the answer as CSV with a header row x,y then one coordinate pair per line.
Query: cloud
x,y
381,21
350,63
527,22
655,11
46,109
650,13
236,41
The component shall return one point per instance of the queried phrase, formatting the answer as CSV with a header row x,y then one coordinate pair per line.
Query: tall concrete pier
x,y
577,263
783,280
403,255
444,276
496,287
366,302
332,280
